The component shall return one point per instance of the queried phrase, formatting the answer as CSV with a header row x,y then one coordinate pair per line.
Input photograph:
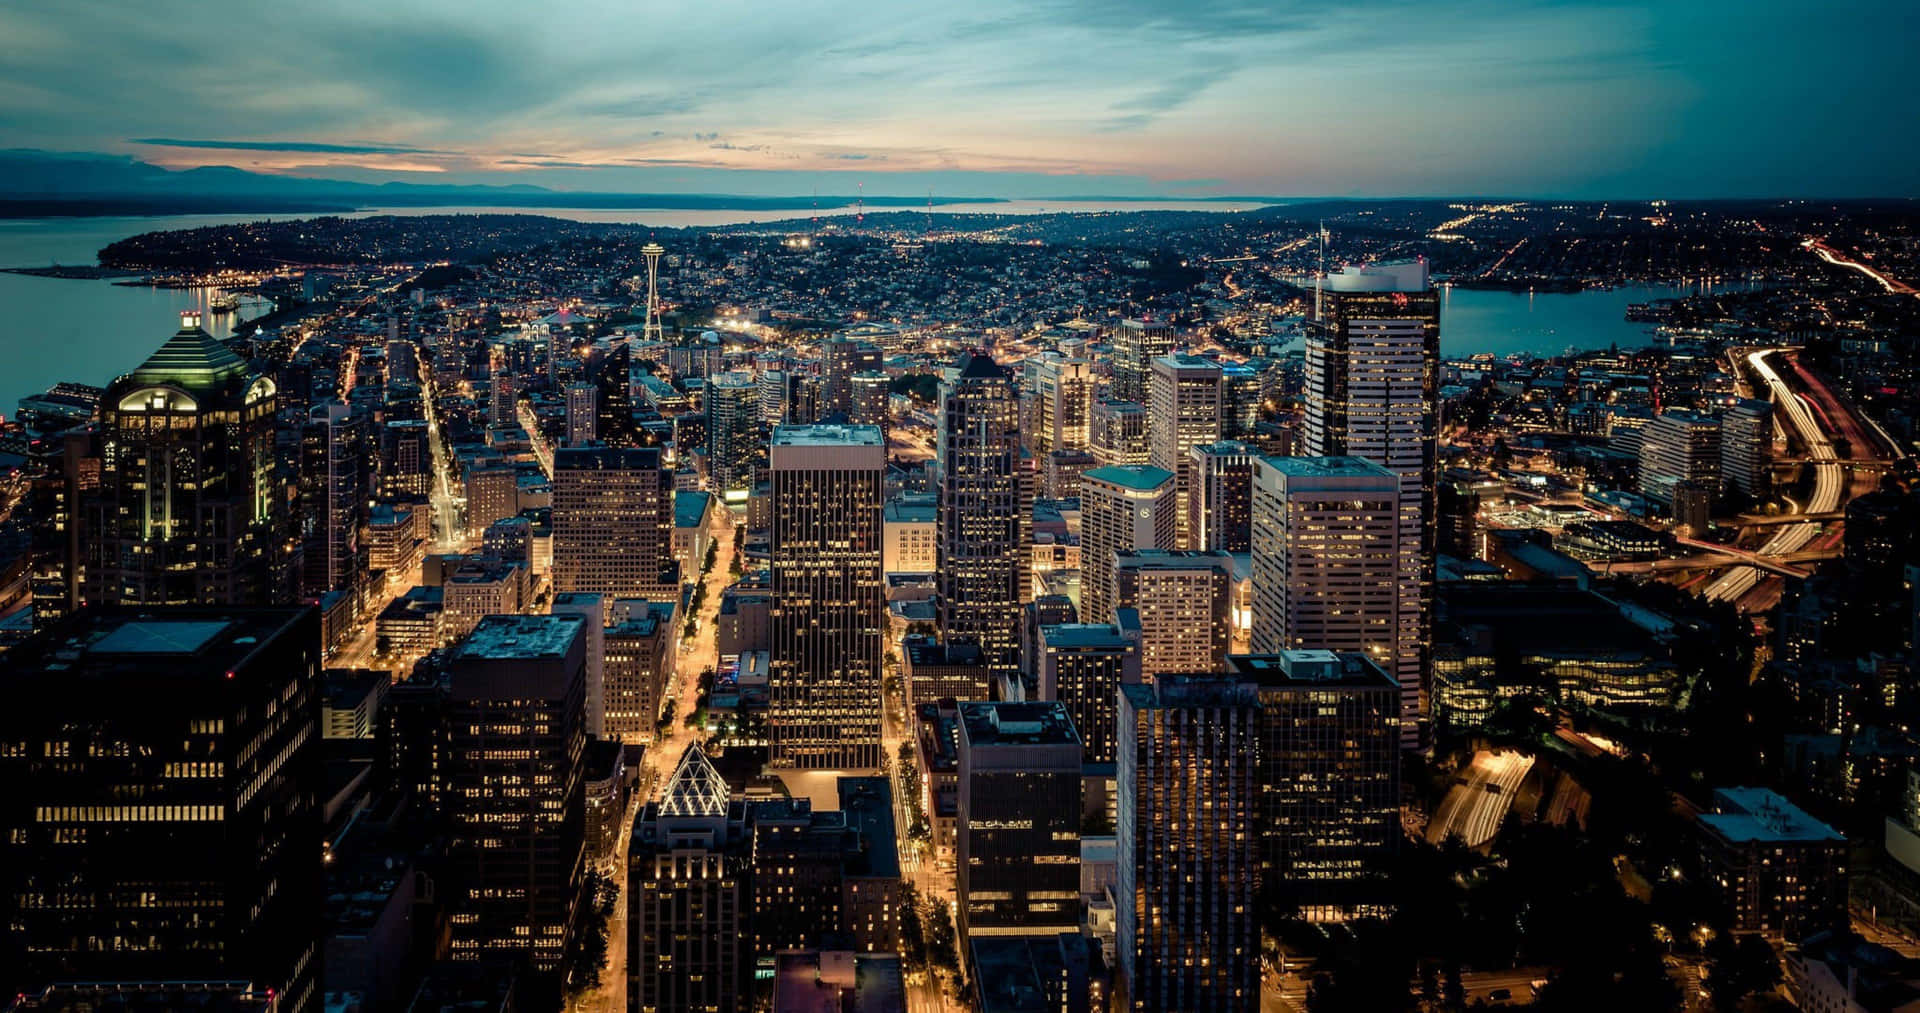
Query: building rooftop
x,y
690,508
178,641
1395,276
868,803
1142,477
606,459
1323,467
1760,815
912,510
506,638
696,788
1083,635
827,435
1017,724
1311,669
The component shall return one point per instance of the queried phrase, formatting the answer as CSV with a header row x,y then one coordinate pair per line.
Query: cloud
x,y
304,147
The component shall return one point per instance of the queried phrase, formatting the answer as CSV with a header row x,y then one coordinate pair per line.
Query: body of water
x,y
92,331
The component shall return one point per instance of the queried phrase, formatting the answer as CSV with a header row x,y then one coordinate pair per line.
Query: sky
x,y
1008,98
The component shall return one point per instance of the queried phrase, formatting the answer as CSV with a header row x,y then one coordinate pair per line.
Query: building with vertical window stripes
x,y
688,896
1083,666
1121,508
1117,432
1135,344
829,596
1188,856
515,787
1183,411
1327,562
981,552
1372,391
733,430
1219,502
162,813
1329,779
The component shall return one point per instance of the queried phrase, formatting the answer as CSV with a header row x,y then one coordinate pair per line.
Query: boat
x,y
225,302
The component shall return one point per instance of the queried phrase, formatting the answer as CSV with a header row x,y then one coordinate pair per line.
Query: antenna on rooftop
x,y
929,212
860,204
1320,276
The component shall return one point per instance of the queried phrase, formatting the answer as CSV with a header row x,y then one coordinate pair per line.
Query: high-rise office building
x,y
1329,779
1183,411
162,813
829,596
332,499
688,896
1675,448
1017,832
503,393
1326,564
840,358
1372,391
613,523
733,430
1120,508
1183,604
638,665
613,374
406,459
1136,343
514,787
774,384
1083,666
1219,502
1187,837
583,414
1242,396
1117,433
1746,446
592,610
190,507
1062,399
870,400
982,557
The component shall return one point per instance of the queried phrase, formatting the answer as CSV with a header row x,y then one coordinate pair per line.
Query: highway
x,y
1831,256
1478,801
1829,480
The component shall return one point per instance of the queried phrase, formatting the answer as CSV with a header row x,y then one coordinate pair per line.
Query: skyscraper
x,y
688,896
1017,832
829,596
1117,432
583,414
1188,857
639,663
190,507
1329,779
979,535
1083,666
1183,603
1372,391
1062,399
592,610
332,499
1219,503
870,399
1326,563
514,798
1183,411
1120,508
613,523
840,358
162,813
733,430
1135,345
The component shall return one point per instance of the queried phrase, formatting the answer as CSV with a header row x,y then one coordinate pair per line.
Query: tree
x,y
1737,967
588,956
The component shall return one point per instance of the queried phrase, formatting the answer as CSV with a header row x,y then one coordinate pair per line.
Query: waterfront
x,y
91,330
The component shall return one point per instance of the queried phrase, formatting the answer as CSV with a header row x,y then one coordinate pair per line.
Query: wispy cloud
x,y
304,147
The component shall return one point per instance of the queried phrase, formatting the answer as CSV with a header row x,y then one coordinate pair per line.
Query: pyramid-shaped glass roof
x,y
191,358
696,789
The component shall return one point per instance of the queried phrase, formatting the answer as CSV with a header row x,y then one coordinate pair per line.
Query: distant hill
x,y
34,182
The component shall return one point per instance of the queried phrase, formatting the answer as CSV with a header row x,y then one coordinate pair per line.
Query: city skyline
x,y
1054,100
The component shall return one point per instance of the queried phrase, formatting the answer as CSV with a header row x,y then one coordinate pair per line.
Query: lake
x,y
92,331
